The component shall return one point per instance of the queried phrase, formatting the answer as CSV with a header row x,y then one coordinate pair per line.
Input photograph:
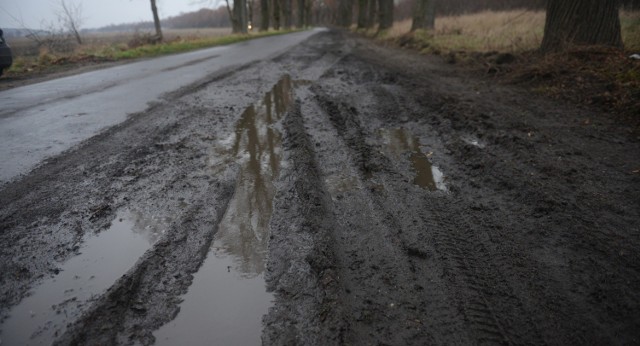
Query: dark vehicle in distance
x,y
6,58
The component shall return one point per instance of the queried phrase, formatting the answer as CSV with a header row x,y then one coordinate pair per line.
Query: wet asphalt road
x,y
42,120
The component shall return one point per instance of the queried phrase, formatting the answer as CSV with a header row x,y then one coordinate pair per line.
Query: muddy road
x,y
41,120
339,193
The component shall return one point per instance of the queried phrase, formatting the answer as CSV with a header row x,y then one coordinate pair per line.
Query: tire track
x,y
302,265
463,259
375,270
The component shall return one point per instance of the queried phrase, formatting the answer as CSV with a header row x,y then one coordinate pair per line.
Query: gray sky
x,y
96,13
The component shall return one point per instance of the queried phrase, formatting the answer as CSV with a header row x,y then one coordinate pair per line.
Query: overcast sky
x,y
96,13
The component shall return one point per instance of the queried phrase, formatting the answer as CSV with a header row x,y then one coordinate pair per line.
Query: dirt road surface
x,y
384,198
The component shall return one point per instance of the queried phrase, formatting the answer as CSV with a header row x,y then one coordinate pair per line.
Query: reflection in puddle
x,y
227,299
45,313
399,142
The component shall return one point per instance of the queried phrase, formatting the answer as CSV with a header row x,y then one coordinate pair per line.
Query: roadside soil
x,y
530,236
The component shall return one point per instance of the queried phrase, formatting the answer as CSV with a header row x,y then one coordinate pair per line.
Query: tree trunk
x,y
264,15
250,22
307,12
581,22
363,12
156,20
287,13
301,8
345,13
386,14
235,27
372,14
276,14
240,16
424,15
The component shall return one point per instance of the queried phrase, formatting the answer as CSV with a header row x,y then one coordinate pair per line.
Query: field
x,y
53,55
25,47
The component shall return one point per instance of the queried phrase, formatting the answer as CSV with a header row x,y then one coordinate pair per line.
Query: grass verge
x,y
48,62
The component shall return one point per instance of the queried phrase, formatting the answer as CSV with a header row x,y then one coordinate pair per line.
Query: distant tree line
x,y
455,7
203,18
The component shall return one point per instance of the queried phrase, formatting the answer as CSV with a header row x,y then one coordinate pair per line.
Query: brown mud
x,y
410,204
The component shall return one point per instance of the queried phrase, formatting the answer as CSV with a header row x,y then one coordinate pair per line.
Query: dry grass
x,y
505,31
24,47
630,22
29,59
512,31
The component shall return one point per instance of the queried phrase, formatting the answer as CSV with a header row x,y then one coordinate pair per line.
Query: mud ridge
x,y
301,267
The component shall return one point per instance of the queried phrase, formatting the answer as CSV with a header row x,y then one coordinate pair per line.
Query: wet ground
x,y
339,193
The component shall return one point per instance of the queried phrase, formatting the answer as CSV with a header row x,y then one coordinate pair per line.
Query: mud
x,y
386,198
60,300
401,143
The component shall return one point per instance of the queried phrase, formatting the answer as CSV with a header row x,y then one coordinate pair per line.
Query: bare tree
x,y
385,8
264,15
345,12
275,4
239,16
250,6
70,17
302,7
156,20
308,12
363,14
424,15
372,13
581,22
287,13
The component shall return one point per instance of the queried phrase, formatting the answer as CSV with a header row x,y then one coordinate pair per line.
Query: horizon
x,y
96,14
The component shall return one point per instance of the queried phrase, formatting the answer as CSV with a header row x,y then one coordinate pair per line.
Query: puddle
x,y
399,143
45,313
228,297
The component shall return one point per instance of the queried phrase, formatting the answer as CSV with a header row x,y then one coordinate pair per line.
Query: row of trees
x,y
568,22
276,14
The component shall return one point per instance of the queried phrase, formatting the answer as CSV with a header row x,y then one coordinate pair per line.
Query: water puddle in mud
x,y
228,297
399,143
58,301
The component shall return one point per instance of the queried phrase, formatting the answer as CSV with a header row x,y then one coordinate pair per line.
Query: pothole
x,y
45,313
228,297
399,144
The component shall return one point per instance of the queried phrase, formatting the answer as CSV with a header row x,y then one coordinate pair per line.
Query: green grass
x,y
181,46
